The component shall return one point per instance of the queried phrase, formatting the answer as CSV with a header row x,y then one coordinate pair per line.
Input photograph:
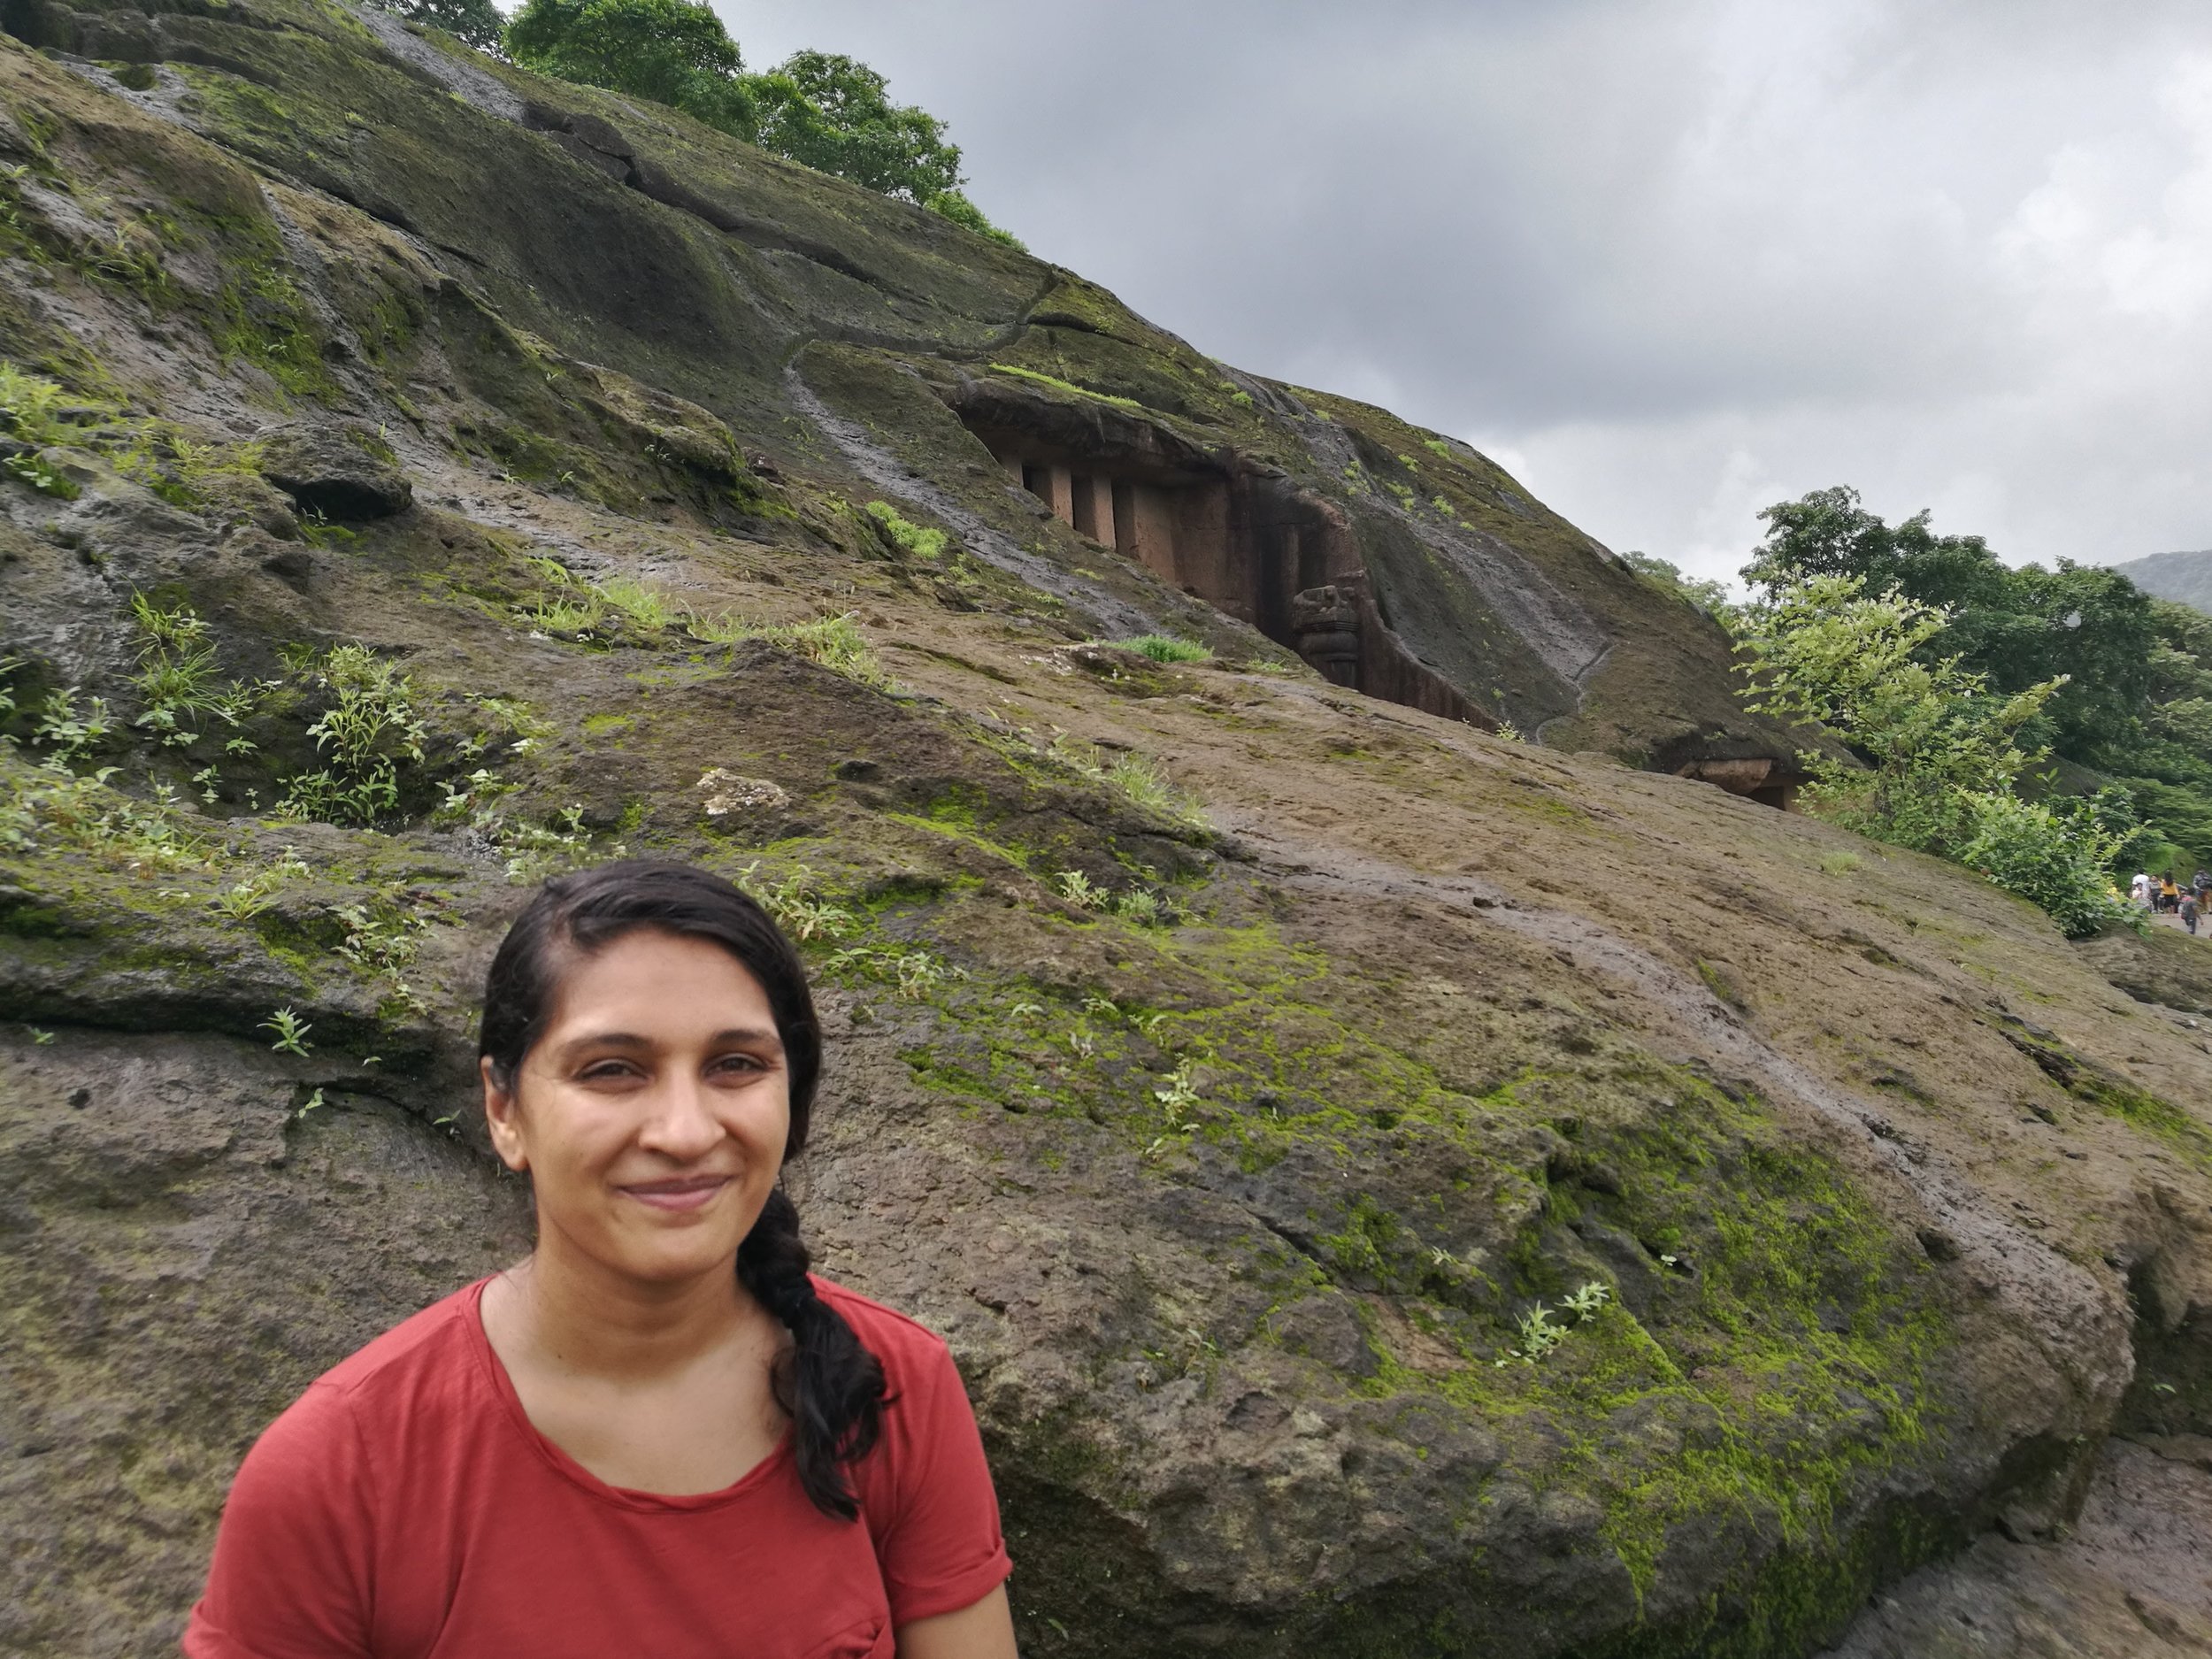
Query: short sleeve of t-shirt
x,y
300,1499
926,1489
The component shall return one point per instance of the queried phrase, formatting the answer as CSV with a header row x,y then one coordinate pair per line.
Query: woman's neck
x,y
573,1313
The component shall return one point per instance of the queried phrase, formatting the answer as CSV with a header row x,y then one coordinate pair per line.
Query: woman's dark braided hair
x,y
832,1386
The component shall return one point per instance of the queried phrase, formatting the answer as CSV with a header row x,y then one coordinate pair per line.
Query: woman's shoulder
x,y
887,1333
423,1357
909,1350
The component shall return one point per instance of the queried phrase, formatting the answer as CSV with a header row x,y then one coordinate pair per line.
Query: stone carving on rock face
x,y
1326,622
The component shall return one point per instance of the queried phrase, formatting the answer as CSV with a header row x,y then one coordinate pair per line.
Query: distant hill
x,y
2183,576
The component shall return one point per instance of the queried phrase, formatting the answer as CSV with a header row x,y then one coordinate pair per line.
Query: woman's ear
x,y
503,1118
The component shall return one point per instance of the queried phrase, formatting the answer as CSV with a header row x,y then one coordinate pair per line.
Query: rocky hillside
x,y
2186,577
1393,1189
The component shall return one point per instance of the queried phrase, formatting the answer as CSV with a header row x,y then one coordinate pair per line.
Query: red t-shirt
x,y
405,1508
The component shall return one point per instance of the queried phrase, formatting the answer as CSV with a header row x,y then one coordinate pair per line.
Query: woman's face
x,y
653,1112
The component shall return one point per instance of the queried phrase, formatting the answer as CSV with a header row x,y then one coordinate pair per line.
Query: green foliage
x,y
477,22
923,543
2138,670
1535,1332
832,113
1166,648
69,733
33,417
913,973
291,1033
49,809
370,729
2054,856
955,206
821,110
1930,733
798,904
1138,776
1069,387
672,51
1706,596
176,679
1941,753
34,409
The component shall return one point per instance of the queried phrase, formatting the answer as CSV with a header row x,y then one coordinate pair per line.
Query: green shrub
x,y
2053,857
1165,647
922,542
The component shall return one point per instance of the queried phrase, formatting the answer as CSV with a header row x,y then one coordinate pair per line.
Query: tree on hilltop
x,y
672,51
822,109
476,21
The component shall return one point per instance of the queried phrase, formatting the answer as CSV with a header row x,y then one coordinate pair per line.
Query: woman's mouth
x,y
686,1192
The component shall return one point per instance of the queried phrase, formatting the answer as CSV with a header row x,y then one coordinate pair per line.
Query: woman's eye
x,y
740,1063
609,1071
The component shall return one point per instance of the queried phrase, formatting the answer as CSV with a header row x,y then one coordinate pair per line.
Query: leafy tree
x,y
955,206
1940,754
672,51
2136,704
1706,596
476,21
819,109
2019,627
1929,732
834,114
2054,855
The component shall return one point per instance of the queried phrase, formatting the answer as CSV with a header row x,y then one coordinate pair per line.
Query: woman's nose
x,y
681,1124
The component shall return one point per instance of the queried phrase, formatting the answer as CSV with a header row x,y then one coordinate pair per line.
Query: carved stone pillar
x,y
1326,621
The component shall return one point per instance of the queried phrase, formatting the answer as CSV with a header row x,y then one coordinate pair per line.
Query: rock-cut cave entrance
x,y
1245,540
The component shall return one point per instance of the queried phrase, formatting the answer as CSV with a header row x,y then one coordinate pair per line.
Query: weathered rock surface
x,y
343,472
1227,1062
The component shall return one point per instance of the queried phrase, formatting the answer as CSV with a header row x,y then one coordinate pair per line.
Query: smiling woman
x,y
658,1431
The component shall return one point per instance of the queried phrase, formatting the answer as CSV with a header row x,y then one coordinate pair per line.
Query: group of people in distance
x,y
2164,895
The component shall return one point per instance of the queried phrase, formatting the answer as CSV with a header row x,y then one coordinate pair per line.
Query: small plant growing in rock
x,y
913,972
1138,905
176,679
645,606
1178,1097
799,910
1538,1334
369,728
291,1033
32,417
385,942
1078,890
70,734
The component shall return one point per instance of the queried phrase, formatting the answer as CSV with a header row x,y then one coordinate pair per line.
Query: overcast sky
x,y
1666,260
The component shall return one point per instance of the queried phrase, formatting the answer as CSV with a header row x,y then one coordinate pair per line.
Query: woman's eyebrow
x,y
631,1041
747,1033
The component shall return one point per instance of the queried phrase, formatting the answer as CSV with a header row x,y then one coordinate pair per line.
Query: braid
x,y
832,1386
